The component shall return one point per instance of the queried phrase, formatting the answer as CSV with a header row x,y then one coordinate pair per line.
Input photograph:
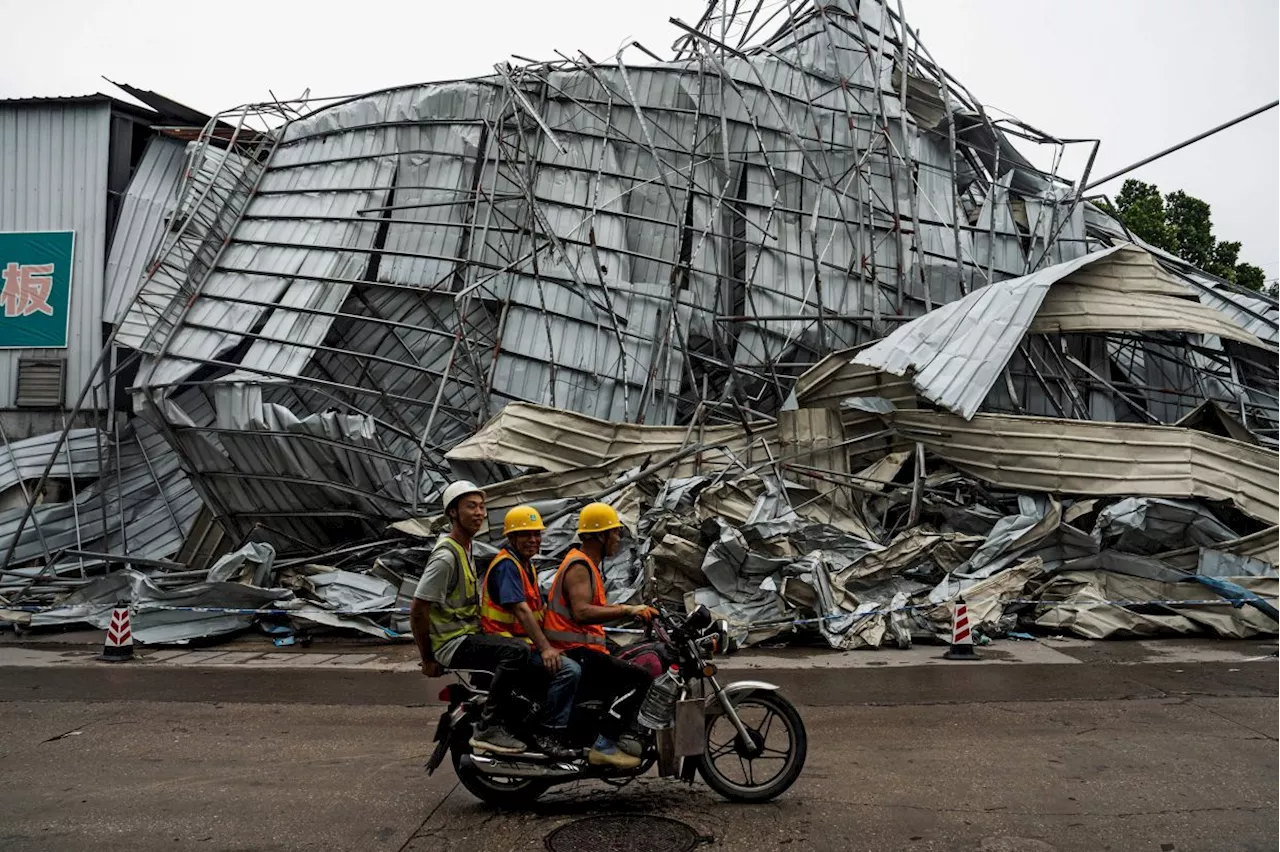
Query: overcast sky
x,y
1138,74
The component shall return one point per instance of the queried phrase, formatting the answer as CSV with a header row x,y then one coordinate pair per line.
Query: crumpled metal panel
x,y
557,441
957,352
1117,459
1258,316
1080,609
80,457
214,190
1263,546
151,196
149,507
625,241
1151,525
153,622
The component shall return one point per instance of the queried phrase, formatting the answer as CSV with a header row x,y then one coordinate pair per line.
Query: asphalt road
x,y
1162,757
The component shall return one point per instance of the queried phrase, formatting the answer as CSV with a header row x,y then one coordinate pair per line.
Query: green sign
x,y
35,274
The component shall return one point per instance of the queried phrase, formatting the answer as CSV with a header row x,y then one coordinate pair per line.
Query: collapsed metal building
x,y
738,237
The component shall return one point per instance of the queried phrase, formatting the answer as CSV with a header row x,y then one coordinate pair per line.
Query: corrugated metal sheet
x,y
1259,316
837,377
212,194
1073,308
339,254
533,436
141,224
957,351
53,176
1264,545
149,506
80,457
1080,457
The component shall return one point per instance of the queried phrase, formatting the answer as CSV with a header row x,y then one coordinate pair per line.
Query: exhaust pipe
x,y
512,769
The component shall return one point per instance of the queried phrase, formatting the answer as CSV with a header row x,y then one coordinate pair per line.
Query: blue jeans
x,y
561,690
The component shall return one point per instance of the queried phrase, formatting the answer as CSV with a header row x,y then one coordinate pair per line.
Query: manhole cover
x,y
623,833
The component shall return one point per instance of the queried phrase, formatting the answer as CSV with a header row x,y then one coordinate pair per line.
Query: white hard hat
x,y
454,490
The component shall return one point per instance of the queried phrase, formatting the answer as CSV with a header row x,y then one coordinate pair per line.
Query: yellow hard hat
x,y
598,517
522,519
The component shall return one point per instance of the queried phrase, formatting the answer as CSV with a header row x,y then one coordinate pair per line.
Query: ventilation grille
x,y
40,383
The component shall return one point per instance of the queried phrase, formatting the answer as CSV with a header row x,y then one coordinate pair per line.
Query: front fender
x,y
735,692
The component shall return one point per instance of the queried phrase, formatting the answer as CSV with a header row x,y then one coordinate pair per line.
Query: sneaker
x,y
612,756
553,748
631,745
496,740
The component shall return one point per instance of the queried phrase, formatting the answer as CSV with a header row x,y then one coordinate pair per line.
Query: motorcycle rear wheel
x,y
506,793
760,712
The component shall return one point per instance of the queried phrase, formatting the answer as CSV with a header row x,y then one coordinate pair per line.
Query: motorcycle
x,y
722,732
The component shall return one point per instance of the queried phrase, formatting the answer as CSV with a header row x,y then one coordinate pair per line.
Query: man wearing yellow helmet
x,y
511,605
577,610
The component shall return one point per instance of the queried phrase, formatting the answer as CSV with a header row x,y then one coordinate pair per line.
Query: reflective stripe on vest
x,y
499,621
458,616
558,624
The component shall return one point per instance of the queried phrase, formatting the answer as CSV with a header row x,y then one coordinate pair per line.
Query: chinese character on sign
x,y
26,289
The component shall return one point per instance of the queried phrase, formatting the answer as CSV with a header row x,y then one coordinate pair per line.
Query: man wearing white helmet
x,y
445,618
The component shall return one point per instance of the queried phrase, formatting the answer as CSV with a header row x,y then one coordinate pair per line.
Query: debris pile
x,y
1041,531
747,523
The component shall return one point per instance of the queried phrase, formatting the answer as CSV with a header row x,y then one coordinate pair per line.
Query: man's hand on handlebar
x,y
431,668
642,612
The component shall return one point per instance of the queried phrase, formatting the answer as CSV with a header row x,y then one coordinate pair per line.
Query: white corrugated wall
x,y
53,177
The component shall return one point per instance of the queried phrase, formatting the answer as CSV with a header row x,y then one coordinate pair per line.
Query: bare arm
x,y
419,623
550,656
578,592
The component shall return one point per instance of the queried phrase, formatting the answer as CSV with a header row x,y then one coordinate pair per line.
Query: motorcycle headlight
x,y
698,621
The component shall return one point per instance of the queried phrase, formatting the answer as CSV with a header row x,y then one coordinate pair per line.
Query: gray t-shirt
x,y
441,574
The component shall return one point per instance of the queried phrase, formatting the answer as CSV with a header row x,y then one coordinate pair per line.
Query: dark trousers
x,y
623,684
505,657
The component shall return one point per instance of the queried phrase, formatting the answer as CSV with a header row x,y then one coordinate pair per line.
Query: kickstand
x,y
619,784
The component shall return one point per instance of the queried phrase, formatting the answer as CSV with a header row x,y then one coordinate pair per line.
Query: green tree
x,y
1248,275
1141,207
1181,224
1223,261
1190,229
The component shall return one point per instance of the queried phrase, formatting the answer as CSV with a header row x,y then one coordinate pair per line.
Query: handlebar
x,y
669,627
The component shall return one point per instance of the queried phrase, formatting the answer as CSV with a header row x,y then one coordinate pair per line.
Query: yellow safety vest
x,y
498,621
459,615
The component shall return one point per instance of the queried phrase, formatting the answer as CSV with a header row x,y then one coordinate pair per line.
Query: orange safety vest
x,y
494,618
558,624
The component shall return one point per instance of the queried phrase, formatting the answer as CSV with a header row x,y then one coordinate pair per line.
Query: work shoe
x,y
496,740
553,748
631,745
612,756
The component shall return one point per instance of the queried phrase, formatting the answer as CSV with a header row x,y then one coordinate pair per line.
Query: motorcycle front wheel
x,y
764,768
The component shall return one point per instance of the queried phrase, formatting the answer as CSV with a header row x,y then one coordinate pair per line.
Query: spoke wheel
x,y
510,793
768,762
